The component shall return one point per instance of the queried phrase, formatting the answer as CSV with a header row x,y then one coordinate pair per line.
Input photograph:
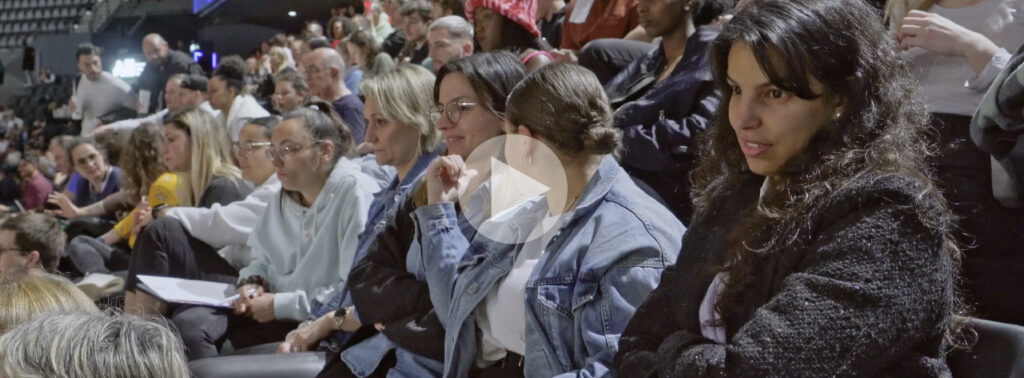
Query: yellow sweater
x,y
162,191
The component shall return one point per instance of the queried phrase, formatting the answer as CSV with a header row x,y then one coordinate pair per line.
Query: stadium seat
x,y
998,352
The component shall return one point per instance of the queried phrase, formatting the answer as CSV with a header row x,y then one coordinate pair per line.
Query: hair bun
x,y
232,67
602,139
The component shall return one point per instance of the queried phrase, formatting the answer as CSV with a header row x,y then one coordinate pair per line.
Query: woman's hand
x,y
307,335
939,35
65,208
447,179
262,307
243,305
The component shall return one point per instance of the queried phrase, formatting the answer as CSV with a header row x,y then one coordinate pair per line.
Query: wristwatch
x,y
339,317
157,209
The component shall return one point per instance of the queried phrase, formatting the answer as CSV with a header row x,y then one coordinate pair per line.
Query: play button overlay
x,y
519,193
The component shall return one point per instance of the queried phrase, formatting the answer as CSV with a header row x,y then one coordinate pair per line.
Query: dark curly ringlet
x,y
232,71
566,105
492,75
882,130
142,161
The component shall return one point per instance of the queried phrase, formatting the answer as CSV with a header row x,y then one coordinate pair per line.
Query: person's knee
x,y
153,236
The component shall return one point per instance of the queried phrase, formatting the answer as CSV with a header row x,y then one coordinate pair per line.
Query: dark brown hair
x,y
40,233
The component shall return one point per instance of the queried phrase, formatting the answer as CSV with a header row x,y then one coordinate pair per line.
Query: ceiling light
x,y
292,14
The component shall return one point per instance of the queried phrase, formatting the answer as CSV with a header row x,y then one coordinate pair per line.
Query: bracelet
x,y
254,280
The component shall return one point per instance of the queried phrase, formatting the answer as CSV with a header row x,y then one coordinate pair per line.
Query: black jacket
x,y
660,122
154,78
864,289
385,292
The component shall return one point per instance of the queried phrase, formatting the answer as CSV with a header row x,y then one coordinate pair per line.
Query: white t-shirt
x,y
97,98
948,83
501,317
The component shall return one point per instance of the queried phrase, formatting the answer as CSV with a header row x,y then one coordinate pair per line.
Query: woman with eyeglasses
x,y
304,243
196,149
97,181
388,289
545,287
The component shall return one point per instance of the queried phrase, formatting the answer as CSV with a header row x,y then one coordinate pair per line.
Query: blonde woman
x,y
956,49
23,295
196,149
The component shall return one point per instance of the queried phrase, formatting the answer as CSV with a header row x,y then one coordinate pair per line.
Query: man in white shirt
x,y
181,93
98,93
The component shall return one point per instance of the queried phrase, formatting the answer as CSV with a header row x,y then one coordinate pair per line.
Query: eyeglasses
x,y
452,110
246,148
313,70
284,153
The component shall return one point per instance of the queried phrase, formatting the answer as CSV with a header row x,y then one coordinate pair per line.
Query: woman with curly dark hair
x,y
819,245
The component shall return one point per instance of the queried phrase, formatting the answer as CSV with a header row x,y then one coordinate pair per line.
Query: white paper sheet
x,y
179,290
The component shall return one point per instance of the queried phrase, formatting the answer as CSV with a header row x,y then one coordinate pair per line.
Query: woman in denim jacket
x,y
552,302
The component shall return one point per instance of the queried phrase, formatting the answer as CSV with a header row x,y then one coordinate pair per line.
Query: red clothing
x,y
34,192
607,19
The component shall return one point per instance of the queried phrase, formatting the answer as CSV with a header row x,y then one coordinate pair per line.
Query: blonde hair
x,y
282,55
896,10
405,95
211,155
23,295
62,345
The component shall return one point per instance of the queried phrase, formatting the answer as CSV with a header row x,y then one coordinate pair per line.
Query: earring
x,y
837,115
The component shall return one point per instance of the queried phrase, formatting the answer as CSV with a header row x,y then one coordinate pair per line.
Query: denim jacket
x,y
599,266
383,207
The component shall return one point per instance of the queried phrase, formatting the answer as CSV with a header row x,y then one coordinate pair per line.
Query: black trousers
x,y
992,235
205,329
606,57
165,248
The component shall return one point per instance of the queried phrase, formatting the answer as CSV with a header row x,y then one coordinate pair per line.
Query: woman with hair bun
x,y
553,299
228,96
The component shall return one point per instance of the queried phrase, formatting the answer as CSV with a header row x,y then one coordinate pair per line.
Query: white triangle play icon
x,y
511,187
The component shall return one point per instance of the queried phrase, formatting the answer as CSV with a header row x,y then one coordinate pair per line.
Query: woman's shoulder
x,y
893,193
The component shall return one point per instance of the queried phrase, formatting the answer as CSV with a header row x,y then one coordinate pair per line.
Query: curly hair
x,y
882,130
142,162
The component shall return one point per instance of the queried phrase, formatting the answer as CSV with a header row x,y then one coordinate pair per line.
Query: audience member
x,y
956,49
596,19
31,241
508,25
395,41
366,52
996,127
323,202
144,172
25,295
550,16
207,243
324,70
291,92
386,287
35,188
379,22
66,345
339,28
227,96
665,100
96,182
65,180
183,92
280,62
449,38
416,15
623,252
161,64
820,125
99,96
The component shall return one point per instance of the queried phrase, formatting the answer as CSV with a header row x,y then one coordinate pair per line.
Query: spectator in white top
x,y
956,49
228,96
99,94
181,93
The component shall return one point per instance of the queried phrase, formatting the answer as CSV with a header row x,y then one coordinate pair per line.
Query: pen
x,y
232,298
